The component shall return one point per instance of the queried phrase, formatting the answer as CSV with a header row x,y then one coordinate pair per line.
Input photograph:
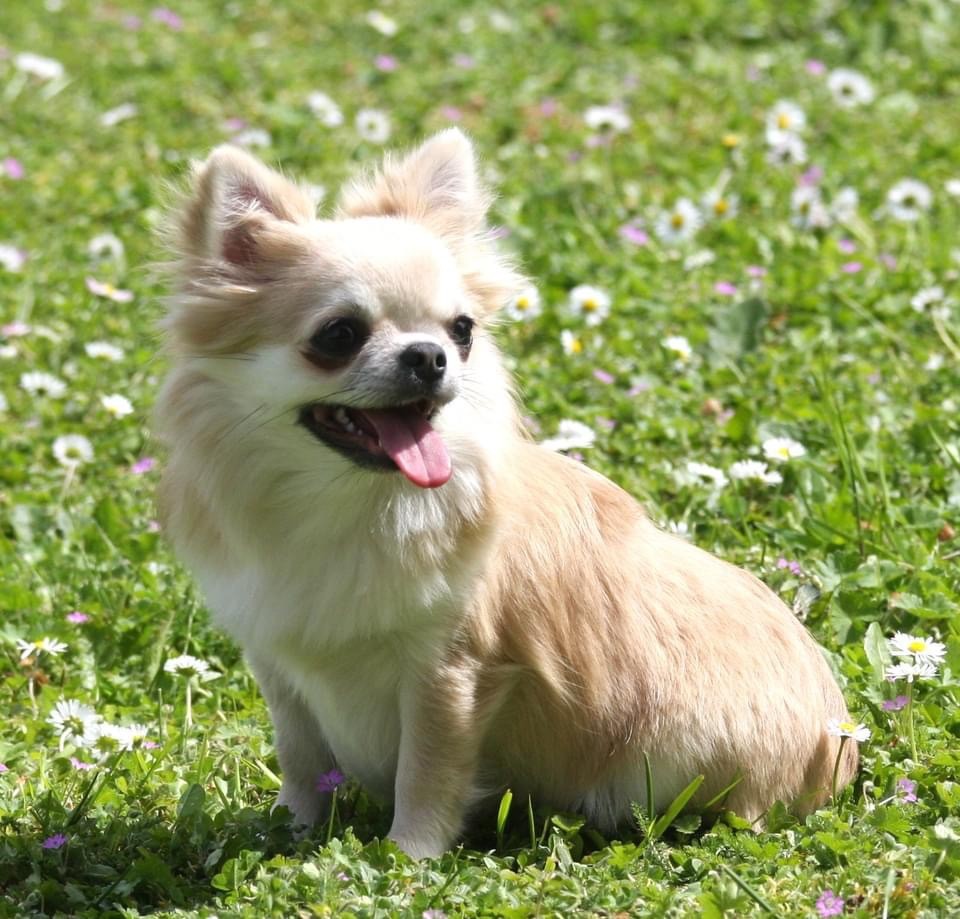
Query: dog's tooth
x,y
342,417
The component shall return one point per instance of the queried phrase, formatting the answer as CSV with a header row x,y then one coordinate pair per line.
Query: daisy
x,y
526,305
115,115
699,259
908,199
785,119
807,210
853,730
679,347
43,645
102,350
706,472
570,343
909,672
843,207
105,244
36,382
44,68
382,23
117,405
189,666
252,137
952,187
781,449
72,450
850,88
102,289
927,296
719,206
589,303
373,125
4,405
754,471
12,258
922,650
325,109
788,150
607,118
571,435
15,329
678,224
74,722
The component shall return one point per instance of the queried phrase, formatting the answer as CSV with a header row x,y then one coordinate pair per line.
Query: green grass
x,y
835,358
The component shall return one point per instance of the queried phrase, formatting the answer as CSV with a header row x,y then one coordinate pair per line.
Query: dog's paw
x,y
418,847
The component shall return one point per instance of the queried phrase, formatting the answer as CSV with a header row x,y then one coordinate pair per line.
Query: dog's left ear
x,y
436,184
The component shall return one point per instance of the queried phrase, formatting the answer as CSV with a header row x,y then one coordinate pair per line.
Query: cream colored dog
x,y
430,602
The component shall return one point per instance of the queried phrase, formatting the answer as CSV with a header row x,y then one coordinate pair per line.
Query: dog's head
x,y
364,336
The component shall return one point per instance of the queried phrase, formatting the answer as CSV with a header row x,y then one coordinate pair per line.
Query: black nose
x,y
426,359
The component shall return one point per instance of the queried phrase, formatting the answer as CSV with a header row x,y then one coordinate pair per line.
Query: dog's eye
x,y
462,333
339,338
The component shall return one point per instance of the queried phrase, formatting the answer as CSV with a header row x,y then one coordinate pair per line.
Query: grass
x,y
823,346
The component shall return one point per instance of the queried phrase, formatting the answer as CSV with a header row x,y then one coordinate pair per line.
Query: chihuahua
x,y
429,601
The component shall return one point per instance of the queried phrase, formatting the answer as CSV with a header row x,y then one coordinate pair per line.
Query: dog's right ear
x,y
237,210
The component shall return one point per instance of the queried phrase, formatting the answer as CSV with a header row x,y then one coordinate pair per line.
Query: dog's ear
x,y
436,184
237,210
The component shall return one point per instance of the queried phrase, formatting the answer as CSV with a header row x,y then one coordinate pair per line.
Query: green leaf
x,y
661,824
877,651
737,329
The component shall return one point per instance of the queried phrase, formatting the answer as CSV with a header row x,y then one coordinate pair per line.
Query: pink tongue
x,y
410,441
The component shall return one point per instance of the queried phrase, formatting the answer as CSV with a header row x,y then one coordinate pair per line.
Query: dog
x,y
430,602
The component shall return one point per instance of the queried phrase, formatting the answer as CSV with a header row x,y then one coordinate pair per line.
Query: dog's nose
x,y
426,359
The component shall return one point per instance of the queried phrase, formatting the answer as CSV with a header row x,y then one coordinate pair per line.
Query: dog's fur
x,y
523,624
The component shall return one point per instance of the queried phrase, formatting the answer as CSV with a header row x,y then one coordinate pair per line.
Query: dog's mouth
x,y
399,437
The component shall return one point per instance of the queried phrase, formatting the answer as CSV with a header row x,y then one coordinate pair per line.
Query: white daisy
x,y
843,207
189,666
781,449
8,351
44,68
718,206
12,258
807,210
525,305
252,137
373,125
589,303
500,21
920,670
325,109
571,435
121,113
571,343
922,650
74,722
45,645
927,296
934,363
952,187
679,346
103,350
610,118
105,289
36,382
382,23
908,199
4,405
850,88
785,119
788,150
851,729
754,471
105,244
699,259
72,450
706,472
678,224
117,405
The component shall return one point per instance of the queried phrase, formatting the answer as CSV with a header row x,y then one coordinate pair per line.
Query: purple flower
x,y
603,376
725,288
894,705
235,125
13,167
846,246
434,914
386,63
548,107
756,271
132,22
811,177
451,113
3,767
167,17
329,781
907,790
792,566
80,764
153,526
640,388
815,68
888,260
608,424
142,465
851,267
57,841
77,617
633,234
464,61
829,904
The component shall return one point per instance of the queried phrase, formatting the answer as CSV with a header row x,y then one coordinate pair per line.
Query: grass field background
x,y
803,291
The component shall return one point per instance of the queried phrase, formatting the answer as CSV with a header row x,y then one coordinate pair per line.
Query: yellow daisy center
x,y
522,303
677,221
917,646
730,140
848,727
109,289
784,452
590,305
721,206
783,121
576,346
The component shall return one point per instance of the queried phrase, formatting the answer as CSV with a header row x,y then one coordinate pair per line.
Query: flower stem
x,y
911,730
188,719
836,772
333,815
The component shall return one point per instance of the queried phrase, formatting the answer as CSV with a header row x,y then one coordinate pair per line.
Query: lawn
x,y
765,197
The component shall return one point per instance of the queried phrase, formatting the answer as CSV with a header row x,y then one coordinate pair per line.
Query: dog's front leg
x,y
440,739
301,749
